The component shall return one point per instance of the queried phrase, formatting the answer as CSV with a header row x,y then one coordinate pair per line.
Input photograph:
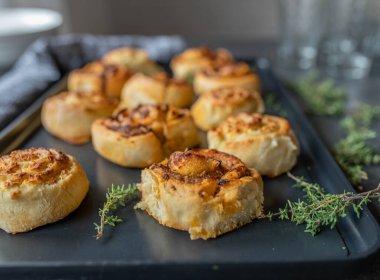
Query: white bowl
x,y
21,26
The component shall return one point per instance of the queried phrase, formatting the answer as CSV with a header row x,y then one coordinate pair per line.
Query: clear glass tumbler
x,y
349,41
300,31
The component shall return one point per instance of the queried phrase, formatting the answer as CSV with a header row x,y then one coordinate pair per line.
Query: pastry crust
x,y
144,135
233,74
216,105
156,89
202,191
38,186
69,115
187,63
264,142
99,76
133,58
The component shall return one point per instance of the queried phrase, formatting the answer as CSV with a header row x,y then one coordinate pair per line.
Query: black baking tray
x,y
141,248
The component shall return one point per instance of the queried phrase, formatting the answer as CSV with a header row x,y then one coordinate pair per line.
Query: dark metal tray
x,y
141,248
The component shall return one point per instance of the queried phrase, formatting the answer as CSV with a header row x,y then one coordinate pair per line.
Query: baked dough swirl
x,y
99,76
133,58
156,89
264,142
233,74
38,186
69,115
187,63
202,191
216,105
144,135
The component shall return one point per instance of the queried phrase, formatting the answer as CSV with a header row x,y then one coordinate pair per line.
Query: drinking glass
x,y
300,31
348,44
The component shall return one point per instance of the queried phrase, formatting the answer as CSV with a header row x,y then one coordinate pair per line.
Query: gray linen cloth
x,y
48,59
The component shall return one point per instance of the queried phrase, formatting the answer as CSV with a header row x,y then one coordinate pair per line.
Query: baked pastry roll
x,y
144,135
38,186
202,191
187,63
216,105
133,58
233,74
264,142
99,76
156,89
69,115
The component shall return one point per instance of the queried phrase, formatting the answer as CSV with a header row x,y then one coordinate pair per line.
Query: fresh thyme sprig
x,y
365,114
320,209
116,196
272,103
353,152
323,97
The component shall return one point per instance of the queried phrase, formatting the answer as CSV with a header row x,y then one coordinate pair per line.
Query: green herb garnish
x,y
365,114
272,103
320,209
353,152
116,196
323,97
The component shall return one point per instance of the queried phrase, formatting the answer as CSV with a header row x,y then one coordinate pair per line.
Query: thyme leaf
x,y
272,103
323,97
353,151
319,209
116,196
365,114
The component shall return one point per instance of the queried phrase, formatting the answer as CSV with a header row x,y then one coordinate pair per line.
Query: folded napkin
x,y
48,59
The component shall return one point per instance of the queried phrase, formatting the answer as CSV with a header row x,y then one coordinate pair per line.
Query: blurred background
x,y
198,19
341,36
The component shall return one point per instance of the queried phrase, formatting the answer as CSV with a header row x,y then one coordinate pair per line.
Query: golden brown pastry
x,y
233,74
69,115
156,89
202,191
264,142
216,105
144,135
187,63
133,58
38,186
99,76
